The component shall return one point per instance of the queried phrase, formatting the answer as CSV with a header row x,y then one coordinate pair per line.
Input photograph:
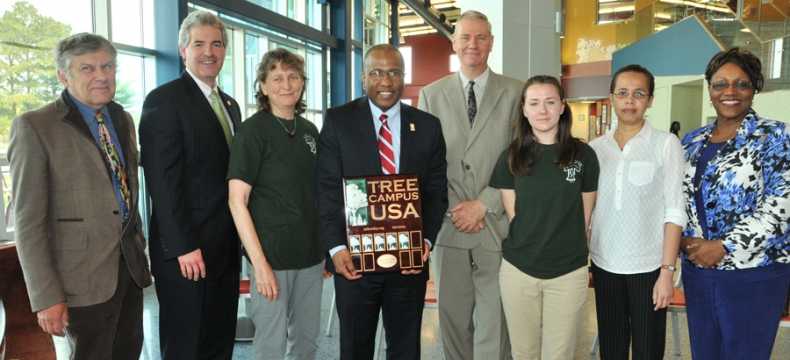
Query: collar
x,y
643,135
203,87
87,112
480,81
392,114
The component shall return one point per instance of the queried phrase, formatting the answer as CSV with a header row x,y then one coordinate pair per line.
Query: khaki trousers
x,y
543,315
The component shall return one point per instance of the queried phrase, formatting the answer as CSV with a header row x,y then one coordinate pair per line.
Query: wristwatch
x,y
669,267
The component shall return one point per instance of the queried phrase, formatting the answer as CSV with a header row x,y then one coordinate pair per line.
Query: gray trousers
x,y
288,327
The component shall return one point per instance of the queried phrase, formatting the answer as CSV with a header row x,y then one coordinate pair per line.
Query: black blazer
x,y
348,146
185,158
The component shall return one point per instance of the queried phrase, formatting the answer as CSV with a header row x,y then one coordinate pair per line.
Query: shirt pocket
x,y
640,173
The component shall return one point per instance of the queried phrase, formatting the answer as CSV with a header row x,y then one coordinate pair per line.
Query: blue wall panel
x,y
682,49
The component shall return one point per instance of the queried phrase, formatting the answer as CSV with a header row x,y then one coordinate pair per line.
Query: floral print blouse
x,y
747,193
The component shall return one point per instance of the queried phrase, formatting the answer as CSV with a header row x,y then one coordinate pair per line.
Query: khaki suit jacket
x,y
472,152
69,232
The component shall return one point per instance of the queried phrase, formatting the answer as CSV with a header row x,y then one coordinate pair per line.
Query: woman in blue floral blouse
x,y
736,245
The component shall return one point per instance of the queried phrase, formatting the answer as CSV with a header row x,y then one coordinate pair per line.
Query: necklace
x,y
718,152
291,133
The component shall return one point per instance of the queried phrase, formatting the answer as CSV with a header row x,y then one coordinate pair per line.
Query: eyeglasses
x,y
741,85
378,74
636,94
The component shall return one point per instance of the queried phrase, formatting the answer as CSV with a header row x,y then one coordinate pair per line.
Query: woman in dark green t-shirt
x,y
271,178
548,181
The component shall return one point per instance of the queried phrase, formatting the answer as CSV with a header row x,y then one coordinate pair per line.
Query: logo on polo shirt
x,y
572,169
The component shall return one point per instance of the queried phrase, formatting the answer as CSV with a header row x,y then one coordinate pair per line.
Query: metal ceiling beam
x,y
431,16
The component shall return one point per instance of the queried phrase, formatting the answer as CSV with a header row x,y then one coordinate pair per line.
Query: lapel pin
x,y
411,127
228,102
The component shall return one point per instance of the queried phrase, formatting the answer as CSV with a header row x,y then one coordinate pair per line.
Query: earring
x,y
710,103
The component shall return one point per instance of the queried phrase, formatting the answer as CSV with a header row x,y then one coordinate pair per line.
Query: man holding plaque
x,y
378,135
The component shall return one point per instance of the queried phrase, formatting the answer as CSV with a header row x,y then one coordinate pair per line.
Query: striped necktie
x,y
111,156
385,147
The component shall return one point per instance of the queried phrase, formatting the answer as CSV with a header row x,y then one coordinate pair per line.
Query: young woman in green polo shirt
x,y
548,181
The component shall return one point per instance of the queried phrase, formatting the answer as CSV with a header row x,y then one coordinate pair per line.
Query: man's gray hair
x,y
474,15
200,18
81,44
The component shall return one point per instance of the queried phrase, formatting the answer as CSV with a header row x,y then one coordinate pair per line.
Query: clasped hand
x,y
468,216
705,254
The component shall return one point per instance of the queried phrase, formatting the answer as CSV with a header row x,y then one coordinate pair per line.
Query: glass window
x,y
313,93
307,12
29,31
133,22
614,10
225,77
256,45
455,64
130,84
406,52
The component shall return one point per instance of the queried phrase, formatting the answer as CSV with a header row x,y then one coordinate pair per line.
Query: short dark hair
x,y
635,68
269,62
384,48
745,60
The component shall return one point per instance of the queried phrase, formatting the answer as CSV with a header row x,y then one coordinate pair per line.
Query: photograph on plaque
x,y
353,242
367,242
384,218
356,202
392,241
404,241
379,239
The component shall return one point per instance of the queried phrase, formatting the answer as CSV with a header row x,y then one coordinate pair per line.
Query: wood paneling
x,y
24,338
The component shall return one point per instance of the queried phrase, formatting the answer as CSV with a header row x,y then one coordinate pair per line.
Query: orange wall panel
x,y
430,62
585,41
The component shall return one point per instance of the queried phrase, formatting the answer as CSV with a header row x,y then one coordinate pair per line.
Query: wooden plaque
x,y
384,222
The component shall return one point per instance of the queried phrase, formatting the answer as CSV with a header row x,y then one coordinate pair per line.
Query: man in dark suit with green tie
x,y
186,130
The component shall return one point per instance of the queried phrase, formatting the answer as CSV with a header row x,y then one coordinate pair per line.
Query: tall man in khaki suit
x,y
476,107
74,170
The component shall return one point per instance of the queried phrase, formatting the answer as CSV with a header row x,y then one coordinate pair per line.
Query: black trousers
x,y
112,329
401,299
624,306
197,319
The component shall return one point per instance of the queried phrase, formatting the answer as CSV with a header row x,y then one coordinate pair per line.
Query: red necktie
x,y
385,147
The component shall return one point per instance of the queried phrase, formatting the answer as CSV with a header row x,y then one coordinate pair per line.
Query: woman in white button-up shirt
x,y
636,223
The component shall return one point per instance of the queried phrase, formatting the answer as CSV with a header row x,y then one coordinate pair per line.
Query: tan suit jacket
x,y
472,152
68,229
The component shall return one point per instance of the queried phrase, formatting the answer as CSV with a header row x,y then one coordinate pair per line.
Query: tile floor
x,y
431,341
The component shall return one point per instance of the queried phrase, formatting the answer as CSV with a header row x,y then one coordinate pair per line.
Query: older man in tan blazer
x,y
74,172
476,107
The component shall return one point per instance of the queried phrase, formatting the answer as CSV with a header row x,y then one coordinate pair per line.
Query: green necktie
x,y
216,104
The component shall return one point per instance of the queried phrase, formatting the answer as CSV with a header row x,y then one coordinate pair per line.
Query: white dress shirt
x,y
639,191
207,93
480,85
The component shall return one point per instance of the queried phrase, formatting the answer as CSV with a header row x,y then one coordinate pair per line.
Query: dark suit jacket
x,y
68,229
185,158
348,147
